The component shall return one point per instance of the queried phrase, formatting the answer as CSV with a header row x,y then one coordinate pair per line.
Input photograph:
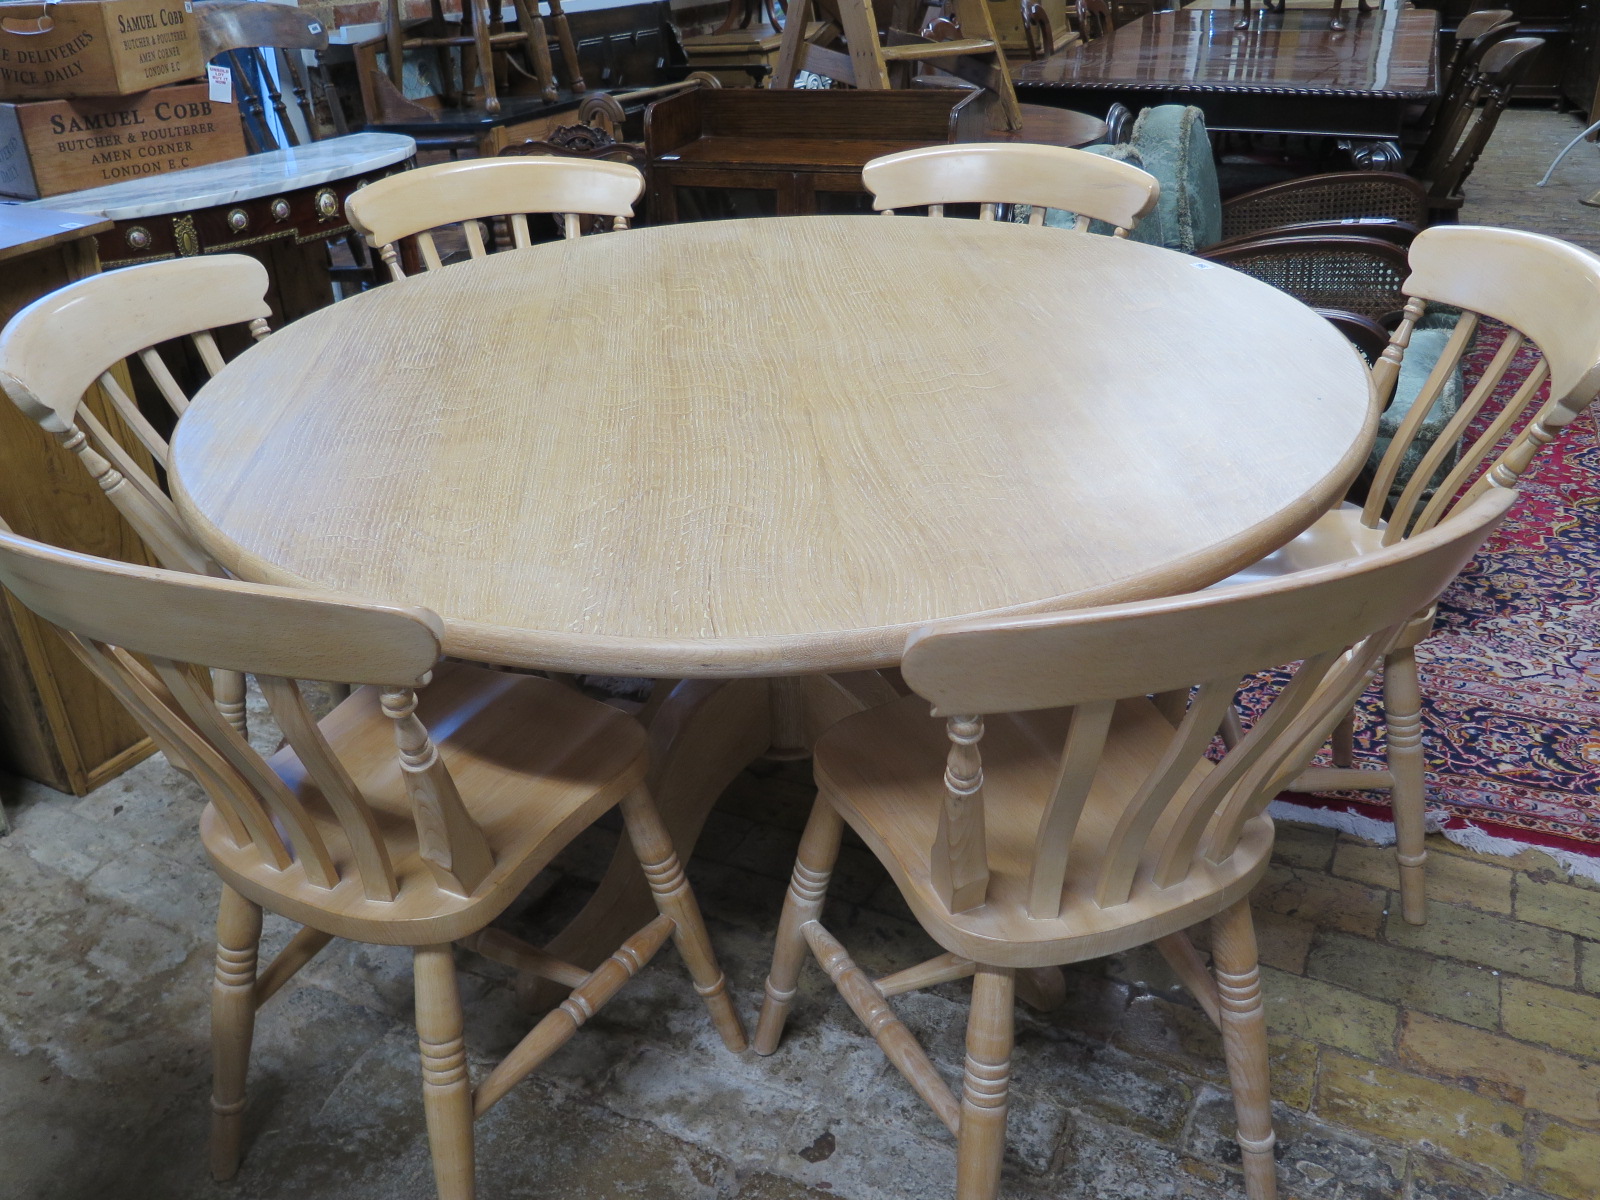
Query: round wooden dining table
x,y
733,452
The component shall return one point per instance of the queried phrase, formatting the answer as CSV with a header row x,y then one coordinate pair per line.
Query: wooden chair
x,y
263,43
413,203
1094,19
1476,35
64,343
364,827
1093,187
1036,30
1021,857
1462,129
479,36
1344,272
1548,292
874,59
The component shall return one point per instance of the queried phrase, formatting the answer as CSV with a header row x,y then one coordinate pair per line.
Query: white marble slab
x,y
238,179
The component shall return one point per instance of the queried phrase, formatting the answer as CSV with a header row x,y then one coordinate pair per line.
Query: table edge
x,y
813,653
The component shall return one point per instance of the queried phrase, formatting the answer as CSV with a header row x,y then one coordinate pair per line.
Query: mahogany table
x,y
1287,73
740,452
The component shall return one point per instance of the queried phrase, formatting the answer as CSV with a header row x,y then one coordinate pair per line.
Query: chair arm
x,y
1358,275
1334,196
1401,233
1364,333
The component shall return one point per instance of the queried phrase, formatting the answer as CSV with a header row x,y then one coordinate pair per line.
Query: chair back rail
x,y
413,203
1548,292
988,174
178,623
1105,663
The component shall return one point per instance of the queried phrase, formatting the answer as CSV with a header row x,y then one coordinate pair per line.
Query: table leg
x,y
701,736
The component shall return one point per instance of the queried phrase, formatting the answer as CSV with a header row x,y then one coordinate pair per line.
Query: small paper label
x,y
188,6
220,81
314,27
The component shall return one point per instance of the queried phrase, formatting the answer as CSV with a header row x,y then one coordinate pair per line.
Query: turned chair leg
x,y
674,900
233,1021
981,1142
1244,1042
446,1090
808,888
1344,740
228,688
1408,795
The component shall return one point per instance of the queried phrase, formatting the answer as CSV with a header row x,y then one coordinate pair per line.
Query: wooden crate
x,y
52,146
96,48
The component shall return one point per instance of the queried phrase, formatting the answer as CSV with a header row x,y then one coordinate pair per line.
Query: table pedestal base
x,y
702,735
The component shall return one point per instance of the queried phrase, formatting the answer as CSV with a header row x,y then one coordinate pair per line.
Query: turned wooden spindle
x,y
1244,1043
664,873
808,888
449,841
960,860
233,1014
986,1085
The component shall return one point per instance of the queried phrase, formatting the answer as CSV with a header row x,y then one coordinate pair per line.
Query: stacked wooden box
x,y
94,92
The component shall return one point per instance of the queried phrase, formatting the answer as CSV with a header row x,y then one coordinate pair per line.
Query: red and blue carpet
x,y
1511,674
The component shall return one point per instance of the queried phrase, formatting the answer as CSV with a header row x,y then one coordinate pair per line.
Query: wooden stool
x,y
975,56
478,41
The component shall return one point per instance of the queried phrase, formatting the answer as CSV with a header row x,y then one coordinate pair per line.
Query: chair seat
x,y
935,50
535,763
880,769
1336,536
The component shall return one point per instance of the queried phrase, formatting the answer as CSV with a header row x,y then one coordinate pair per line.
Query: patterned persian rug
x,y
1511,674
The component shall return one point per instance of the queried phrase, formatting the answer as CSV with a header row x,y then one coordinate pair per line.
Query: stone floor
x,y
1457,1060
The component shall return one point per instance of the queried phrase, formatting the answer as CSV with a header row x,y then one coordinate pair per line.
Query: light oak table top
x,y
775,446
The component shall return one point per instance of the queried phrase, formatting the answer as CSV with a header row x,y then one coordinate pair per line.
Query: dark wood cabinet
x,y
1580,74
717,153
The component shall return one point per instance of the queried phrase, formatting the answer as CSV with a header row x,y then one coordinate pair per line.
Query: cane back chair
x,y
412,204
989,174
1020,856
61,345
1548,292
363,826
875,53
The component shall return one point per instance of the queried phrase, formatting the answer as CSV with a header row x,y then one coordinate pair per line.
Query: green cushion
x,y
1173,146
1428,341
1061,219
